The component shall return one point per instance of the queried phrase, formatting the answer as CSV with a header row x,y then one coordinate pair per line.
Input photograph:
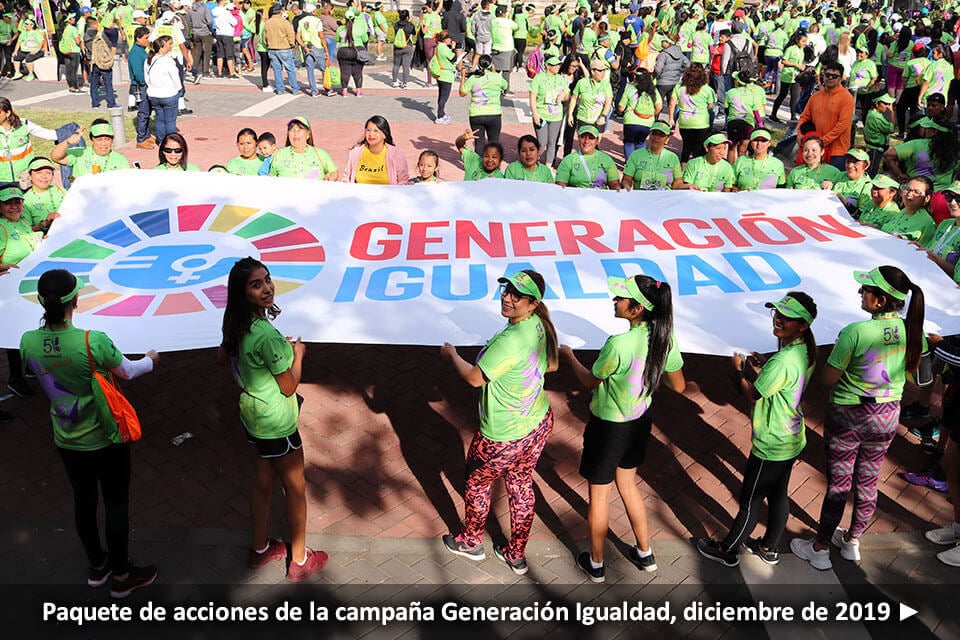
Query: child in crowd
x,y
428,168
266,146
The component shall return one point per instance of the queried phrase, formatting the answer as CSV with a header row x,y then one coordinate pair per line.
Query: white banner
x,y
418,265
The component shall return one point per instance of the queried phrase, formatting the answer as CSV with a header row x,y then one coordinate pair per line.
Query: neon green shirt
x,y
751,174
485,92
590,171
37,205
240,167
263,354
778,428
872,356
694,109
473,167
652,172
540,173
313,164
919,226
803,177
709,177
549,88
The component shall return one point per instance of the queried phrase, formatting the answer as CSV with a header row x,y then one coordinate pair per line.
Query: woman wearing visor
x,y
775,385
866,370
624,377
515,418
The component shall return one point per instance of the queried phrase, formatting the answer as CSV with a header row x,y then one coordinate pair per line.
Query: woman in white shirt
x,y
163,85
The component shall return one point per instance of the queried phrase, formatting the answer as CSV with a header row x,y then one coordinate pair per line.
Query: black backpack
x,y
741,60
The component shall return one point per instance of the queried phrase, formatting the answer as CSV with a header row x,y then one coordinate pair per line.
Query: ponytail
x,y
914,321
811,343
542,311
661,328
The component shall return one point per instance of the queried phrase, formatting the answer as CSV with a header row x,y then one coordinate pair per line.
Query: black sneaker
x,y
595,575
644,564
459,549
753,546
710,549
98,577
20,387
519,567
137,578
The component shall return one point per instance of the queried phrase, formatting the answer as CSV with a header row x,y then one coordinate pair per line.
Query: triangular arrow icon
x,y
906,612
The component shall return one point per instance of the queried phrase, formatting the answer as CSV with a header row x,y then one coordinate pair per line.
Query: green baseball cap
x,y
927,123
11,193
627,288
859,154
660,127
789,307
761,133
553,60
299,120
589,129
523,283
101,129
875,279
715,139
954,187
884,181
885,98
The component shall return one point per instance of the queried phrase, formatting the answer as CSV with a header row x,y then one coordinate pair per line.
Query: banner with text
x,y
418,265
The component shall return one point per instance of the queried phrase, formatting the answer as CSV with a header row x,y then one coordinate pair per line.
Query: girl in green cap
x,y
625,375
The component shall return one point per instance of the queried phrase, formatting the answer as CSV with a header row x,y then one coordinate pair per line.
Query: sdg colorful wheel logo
x,y
176,261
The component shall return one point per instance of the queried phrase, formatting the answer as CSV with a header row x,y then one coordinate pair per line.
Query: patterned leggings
x,y
514,461
857,438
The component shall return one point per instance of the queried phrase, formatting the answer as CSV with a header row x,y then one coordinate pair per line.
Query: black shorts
x,y
608,446
28,57
225,47
738,131
276,447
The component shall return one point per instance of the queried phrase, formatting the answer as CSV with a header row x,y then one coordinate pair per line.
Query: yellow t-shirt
x,y
373,167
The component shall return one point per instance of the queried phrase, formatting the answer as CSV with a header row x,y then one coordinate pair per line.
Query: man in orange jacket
x,y
831,111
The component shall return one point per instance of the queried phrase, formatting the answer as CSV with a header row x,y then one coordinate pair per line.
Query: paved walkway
x,y
385,430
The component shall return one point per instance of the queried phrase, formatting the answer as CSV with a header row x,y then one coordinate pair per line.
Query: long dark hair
x,y
661,327
905,39
644,83
238,315
807,303
156,46
52,286
914,322
297,123
13,118
175,137
943,146
542,311
380,123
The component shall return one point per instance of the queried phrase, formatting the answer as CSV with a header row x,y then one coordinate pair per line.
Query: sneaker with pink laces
x,y
316,560
276,550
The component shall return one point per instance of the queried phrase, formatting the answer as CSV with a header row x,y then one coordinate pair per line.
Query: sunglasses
x,y
507,290
776,315
950,196
172,150
831,76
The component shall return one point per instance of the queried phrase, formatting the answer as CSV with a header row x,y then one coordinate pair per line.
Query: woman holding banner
x,y
867,370
62,356
624,377
268,369
515,418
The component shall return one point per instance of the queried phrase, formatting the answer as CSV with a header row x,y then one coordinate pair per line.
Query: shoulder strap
x,y
86,340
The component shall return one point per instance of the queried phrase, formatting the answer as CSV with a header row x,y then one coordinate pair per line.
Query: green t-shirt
x,y
484,92
540,173
501,32
652,172
592,171
591,97
59,358
872,356
473,167
621,396
446,57
313,164
751,174
803,177
876,129
512,401
709,177
19,240
792,54
876,216
85,162
862,74
776,41
853,192
919,226
32,41
36,205
694,109
240,167
741,103
166,167
946,241
639,108
938,73
700,47
913,70
68,40
263,354
549,88
917,161
778,428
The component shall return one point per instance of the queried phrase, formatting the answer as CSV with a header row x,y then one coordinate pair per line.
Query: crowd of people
x,y
702,73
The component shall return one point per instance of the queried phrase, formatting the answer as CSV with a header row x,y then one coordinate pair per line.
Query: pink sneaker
x,y
316,560
276,550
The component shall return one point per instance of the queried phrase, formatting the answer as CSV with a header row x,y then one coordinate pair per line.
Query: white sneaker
x,y
804,550
944,535
267,89
848,550
395,84
950,557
